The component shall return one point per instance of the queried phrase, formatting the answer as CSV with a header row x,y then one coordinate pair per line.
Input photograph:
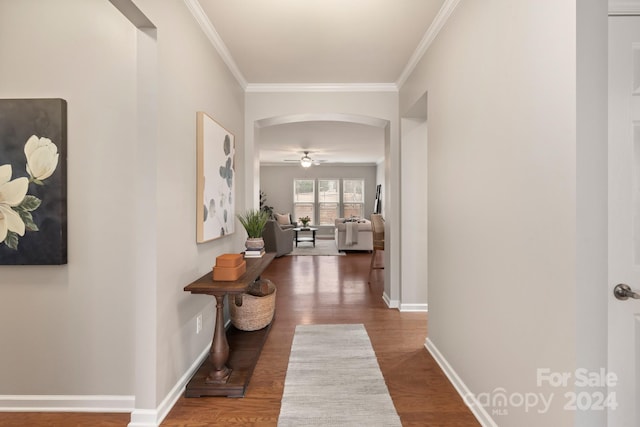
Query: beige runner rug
x,y
333,379
323,247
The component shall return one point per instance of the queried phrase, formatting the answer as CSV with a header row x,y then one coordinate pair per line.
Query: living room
x,y
341,154
277,183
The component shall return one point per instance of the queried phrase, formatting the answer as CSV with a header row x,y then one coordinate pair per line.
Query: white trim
x,y
438,22
144,418
68,403
322,117
153,417
423,308
207,27
106,403
469,398
213,36
624,7
390,303
320,87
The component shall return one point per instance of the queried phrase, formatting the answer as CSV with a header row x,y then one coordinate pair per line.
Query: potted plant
x,y
305,220
263,204
253,222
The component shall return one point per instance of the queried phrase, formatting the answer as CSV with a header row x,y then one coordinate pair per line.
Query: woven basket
x,y
255,312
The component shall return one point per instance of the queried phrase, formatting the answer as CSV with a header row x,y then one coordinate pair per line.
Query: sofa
x,y
353,234
276,239
285,221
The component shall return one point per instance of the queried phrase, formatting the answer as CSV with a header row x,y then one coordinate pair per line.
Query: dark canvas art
x,y
33,181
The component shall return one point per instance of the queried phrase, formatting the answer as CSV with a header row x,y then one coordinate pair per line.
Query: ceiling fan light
x,y
305,162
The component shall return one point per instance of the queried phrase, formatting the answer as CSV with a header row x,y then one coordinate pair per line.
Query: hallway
x,y
326,289
316,290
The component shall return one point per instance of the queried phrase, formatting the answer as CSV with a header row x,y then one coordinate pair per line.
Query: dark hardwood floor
x,y
315,290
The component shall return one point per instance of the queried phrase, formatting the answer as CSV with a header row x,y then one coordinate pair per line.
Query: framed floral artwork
x,y
215,213
33,181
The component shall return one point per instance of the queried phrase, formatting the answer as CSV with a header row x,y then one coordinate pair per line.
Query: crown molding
x,y
213,36
432,32
438,23
624,7
321,87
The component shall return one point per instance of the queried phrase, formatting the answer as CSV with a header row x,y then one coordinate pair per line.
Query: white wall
x,y
67,329
502,197
413,219
190,79
115,320
592,289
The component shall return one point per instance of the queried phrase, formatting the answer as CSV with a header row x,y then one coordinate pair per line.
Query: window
x,y
324,200
353,197
328,200
304,197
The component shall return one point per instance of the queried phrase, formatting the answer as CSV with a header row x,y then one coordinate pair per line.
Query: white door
x,y
624,217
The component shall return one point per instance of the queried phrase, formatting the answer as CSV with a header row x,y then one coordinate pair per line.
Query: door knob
x,y
624,292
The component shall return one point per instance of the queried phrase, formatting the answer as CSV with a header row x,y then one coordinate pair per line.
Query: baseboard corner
x,y
467,396
154,417
389,302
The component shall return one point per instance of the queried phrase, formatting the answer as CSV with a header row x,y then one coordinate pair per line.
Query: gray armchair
x,y
277,239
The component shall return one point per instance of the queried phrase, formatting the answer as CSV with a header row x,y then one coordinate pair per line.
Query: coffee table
x,y
305,237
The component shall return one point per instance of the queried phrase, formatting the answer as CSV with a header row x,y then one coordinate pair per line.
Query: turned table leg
x,y
219,348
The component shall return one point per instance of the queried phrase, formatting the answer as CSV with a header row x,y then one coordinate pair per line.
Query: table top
x,y
206,284
305,229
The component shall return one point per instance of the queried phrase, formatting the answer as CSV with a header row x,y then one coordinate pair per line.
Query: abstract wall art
x,y
33,181
215,179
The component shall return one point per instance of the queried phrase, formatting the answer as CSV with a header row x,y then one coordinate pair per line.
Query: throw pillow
x,y
283,219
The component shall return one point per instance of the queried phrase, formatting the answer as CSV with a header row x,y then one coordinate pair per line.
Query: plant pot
x,y
254,243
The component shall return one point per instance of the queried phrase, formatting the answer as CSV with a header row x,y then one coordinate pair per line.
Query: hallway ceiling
x,y
320,42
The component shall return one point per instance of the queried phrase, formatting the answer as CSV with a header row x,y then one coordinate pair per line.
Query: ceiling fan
x,y
305,160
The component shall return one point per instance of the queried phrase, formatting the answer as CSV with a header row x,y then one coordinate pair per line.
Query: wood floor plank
x,y
316,290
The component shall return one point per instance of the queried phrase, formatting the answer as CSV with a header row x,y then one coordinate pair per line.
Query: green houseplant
x,y
305,220
263,204
253,221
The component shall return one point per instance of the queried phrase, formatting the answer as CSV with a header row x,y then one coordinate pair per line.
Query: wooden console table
x,y
225,372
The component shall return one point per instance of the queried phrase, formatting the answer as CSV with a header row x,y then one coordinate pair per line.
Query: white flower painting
x,y
32,181
16,206
42,158
12,193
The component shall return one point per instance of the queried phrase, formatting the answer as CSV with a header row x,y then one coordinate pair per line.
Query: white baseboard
x,y
105,404
469,398
66,403
423,308
390,303
144,418
153,417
